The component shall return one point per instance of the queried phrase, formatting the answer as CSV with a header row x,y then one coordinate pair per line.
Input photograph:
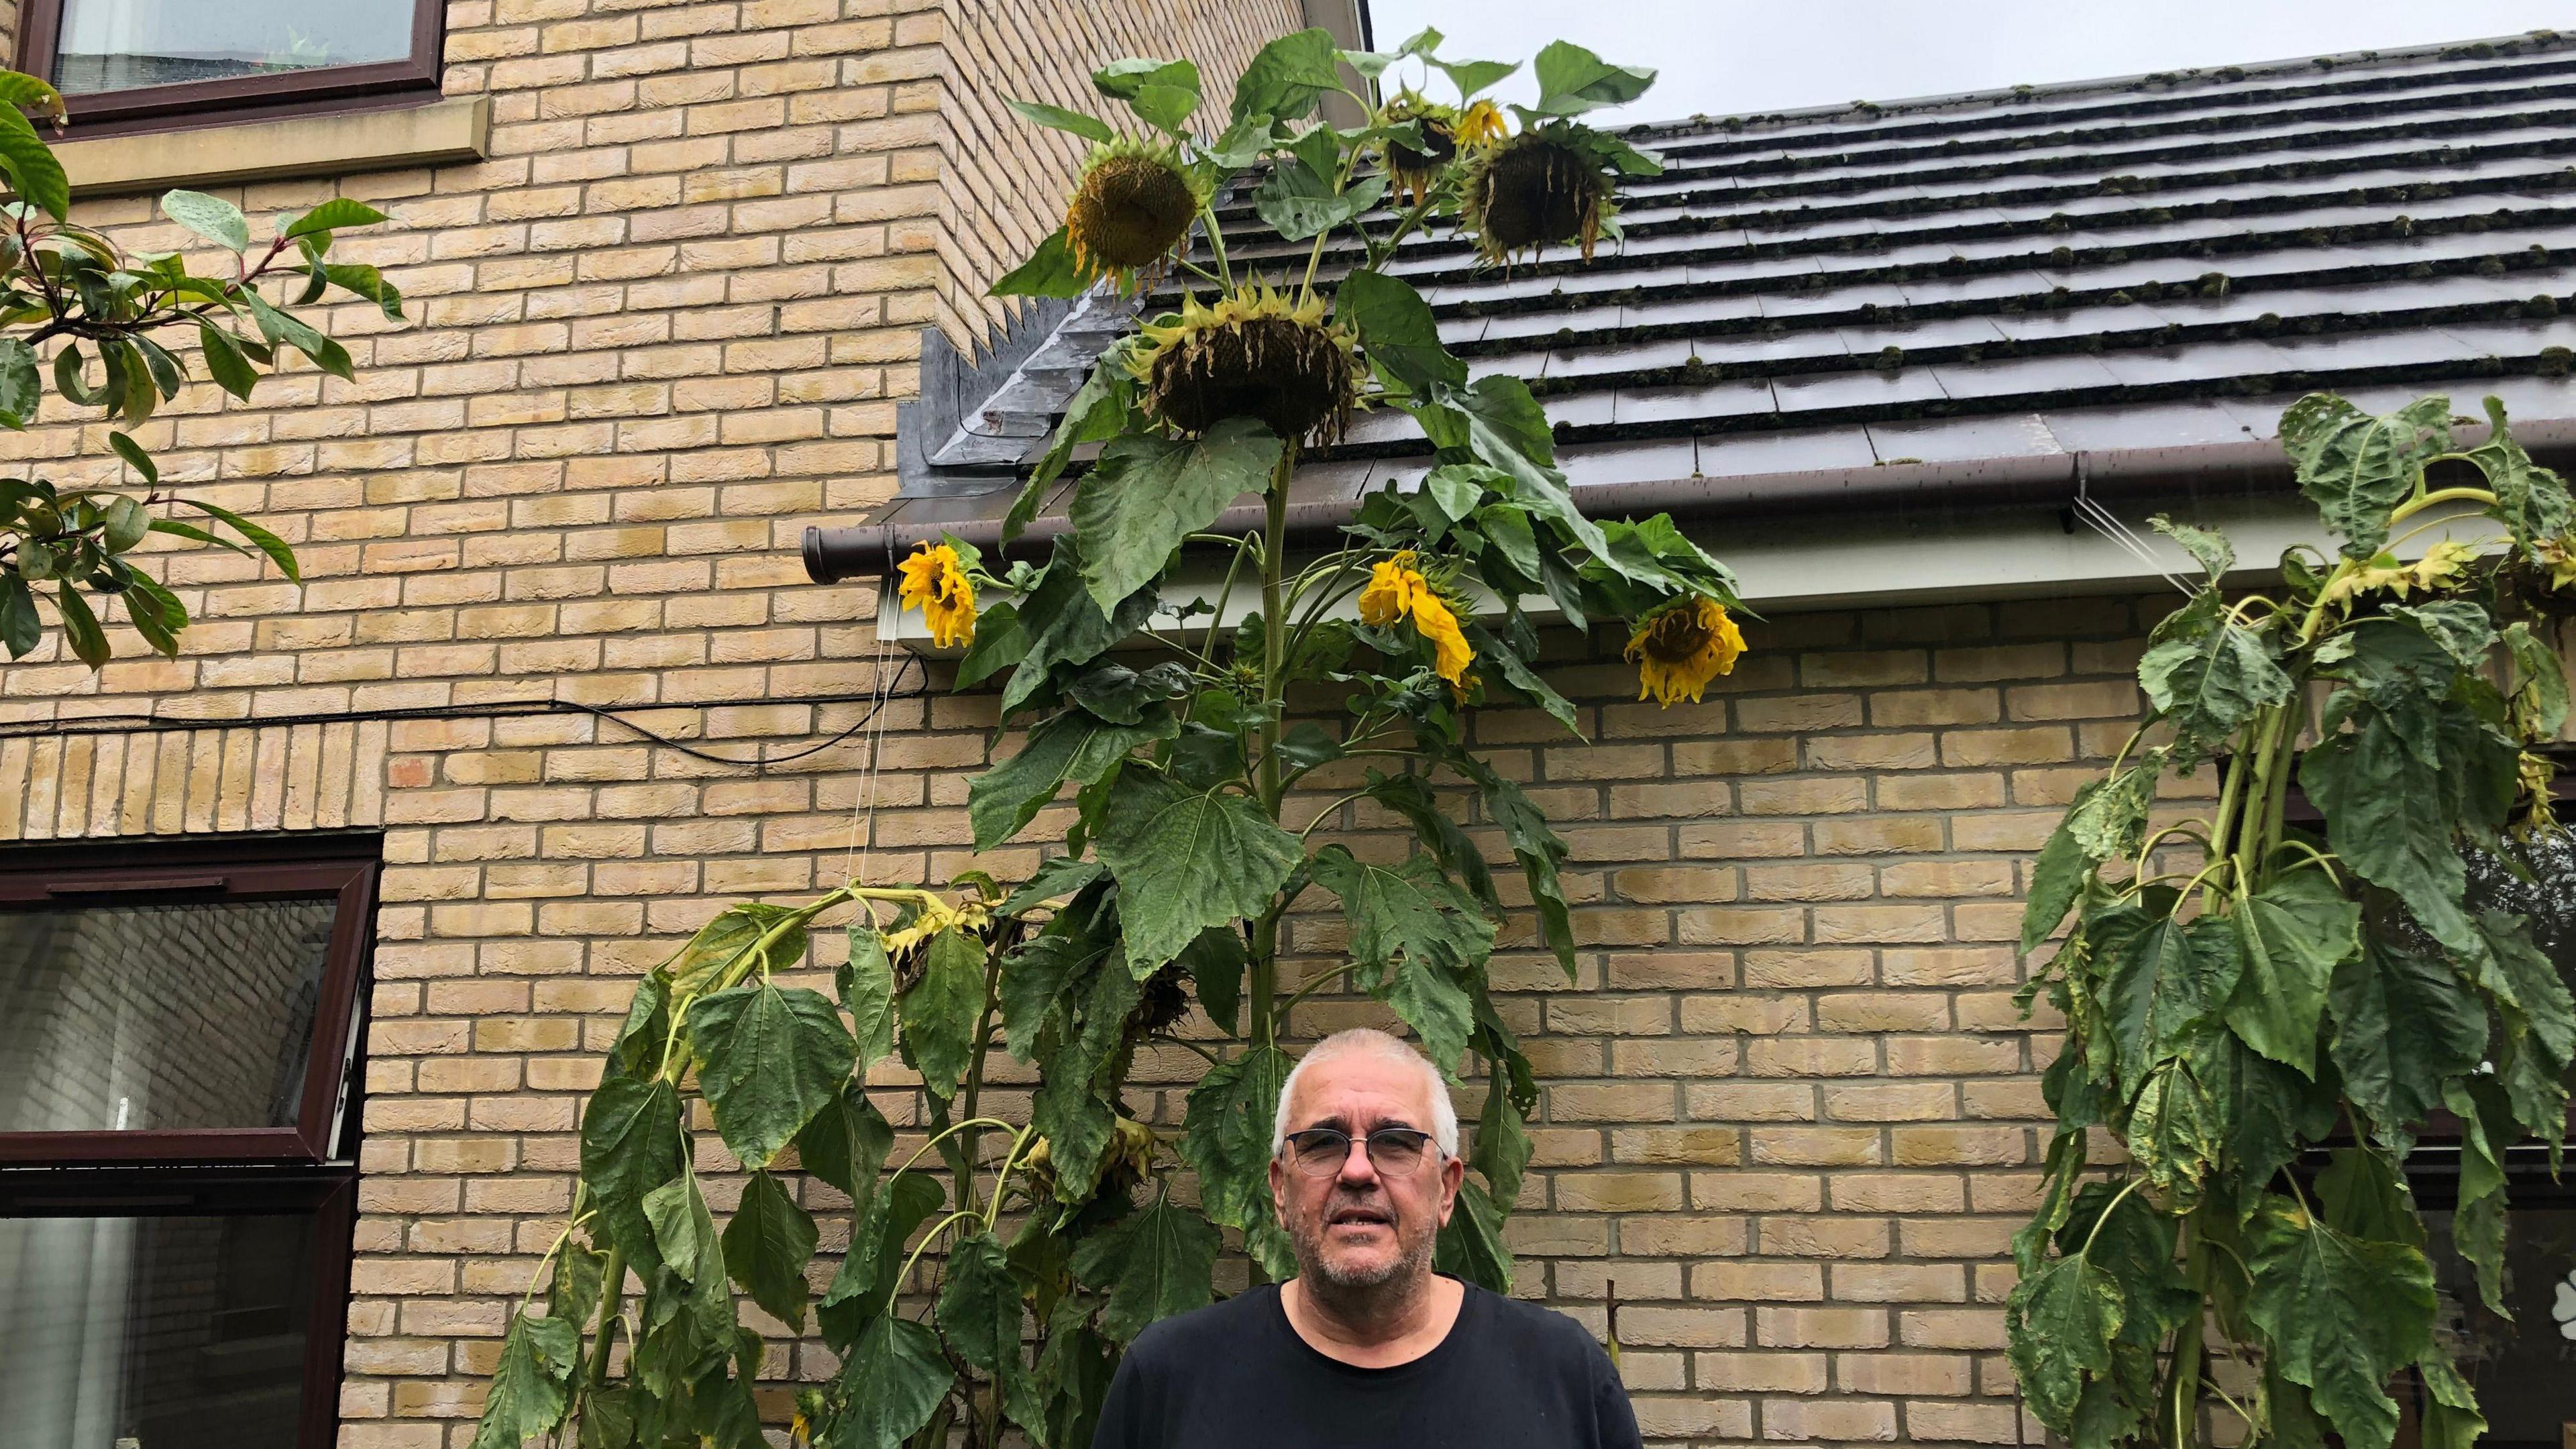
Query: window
x,y
178,1028
134,65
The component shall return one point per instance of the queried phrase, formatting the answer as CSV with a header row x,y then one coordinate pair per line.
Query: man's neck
x,y
1380,1327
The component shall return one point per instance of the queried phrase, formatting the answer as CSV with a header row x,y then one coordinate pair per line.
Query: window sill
x,y
455,129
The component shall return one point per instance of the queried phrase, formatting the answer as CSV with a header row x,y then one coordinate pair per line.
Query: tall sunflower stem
x,y
1274,691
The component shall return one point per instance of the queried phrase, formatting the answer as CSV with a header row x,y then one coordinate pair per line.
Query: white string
x,y
863,808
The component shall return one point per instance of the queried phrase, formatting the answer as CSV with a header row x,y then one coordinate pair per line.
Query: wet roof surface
x,y
2154,262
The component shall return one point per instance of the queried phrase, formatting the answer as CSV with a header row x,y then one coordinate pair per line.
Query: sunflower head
x,y
1254,354
933,580
1535,190
1678,650
1414,172
1397,590
1134,203
1482,123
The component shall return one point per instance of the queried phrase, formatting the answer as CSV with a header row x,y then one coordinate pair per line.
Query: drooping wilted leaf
x,y
2060,1326
864,1285
766,1247
2403,1025
894,1380
2374,787
939,1012
1502,1150
531,1384
685,1232
1074,745
1187,861
1146,494
2356,467
2293,933
2342,1314
2531,500
866,984
2207,547
1470,1245
1065,627
1540,851
846,1144
1154,1264
2164,976
2210,684
1414,935
2451,1420
2478,1211
980,1314
1225,1138
769,1058
2177,1129
630,1144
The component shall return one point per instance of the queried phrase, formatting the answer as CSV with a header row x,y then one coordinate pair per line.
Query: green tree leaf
x,y
1413,934
531,1385
1470,1245
1051,271
1074,745
2293,934
30,165
769,1058
766,1247
1225,1138
213,218
2356,468
1185,862
1154,1264
2404,1022
336,214
630,1145
939,1012
894,1381
2342,1314
1502,1150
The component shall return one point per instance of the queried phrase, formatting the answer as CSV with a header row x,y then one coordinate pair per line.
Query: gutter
x,y
2053,480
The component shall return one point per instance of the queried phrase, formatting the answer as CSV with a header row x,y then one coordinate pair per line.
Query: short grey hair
x,y
1369,1041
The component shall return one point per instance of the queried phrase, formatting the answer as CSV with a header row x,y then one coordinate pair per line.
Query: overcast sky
x,y
1724,57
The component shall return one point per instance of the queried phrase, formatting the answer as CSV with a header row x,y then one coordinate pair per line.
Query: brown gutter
x,y
834,554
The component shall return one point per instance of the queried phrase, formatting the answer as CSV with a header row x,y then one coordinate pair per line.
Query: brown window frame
x,y
330,1195
376,85
309,1168
211,875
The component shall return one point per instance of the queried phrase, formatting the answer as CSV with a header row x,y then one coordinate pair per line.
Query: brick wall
x,y
1789,1112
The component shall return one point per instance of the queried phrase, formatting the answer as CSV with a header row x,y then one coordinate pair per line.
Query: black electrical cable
x,y
107,724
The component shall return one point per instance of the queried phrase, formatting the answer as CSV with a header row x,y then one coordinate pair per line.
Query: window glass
x,y
154,1332
158,1016
2525,1369
116,45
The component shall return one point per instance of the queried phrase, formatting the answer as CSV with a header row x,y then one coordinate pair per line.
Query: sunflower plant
x,y
2264,1008
1199,807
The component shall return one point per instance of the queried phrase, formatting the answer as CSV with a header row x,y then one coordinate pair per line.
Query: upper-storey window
x,y
128,65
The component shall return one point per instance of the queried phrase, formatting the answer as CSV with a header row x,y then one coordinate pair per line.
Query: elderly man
x,y
1366,1348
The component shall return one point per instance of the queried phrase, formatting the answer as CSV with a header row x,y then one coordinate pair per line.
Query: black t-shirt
x,y
1510,1375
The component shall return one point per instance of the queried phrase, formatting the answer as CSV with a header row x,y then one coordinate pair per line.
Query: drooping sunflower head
x,y
1678,650
933,580
1397,590
1415,172
1482,123
1535,190
1133,205
1255,354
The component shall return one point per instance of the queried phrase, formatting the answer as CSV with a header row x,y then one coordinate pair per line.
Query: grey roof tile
x,y
2041,266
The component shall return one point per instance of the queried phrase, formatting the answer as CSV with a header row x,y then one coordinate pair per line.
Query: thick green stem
x,y
1274,692
2178,1415
612,1303
971,1138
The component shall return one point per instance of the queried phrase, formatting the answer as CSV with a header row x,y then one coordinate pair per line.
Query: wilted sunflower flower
x,y
1397,588
2441,565
1536,189
2438,569
1414,172
2558,555
1254,354
1481,124
1678,650
934,582
1134,203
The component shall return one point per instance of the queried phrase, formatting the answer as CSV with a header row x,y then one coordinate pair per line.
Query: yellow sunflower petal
x,y
1450,653
1678,650
932,580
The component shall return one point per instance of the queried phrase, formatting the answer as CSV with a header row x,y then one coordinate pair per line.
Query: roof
x,y
1961,297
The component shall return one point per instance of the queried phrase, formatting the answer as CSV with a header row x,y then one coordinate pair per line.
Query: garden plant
x,y
64,551
2265,1007
1048,1243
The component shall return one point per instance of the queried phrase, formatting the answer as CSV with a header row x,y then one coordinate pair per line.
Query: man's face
x,y
1354,1226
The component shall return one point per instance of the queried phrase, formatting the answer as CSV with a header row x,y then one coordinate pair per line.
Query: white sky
x,y
1723,57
